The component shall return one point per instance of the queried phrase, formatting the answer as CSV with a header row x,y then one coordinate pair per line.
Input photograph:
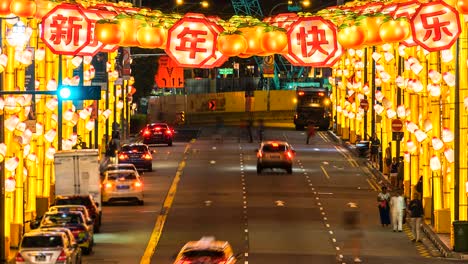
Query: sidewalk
x,y
432,240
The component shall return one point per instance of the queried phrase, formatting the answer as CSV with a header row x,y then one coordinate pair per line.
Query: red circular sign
x,y
397,125
364,104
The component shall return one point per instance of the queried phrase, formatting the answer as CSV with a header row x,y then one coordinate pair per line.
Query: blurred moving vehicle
x,y
206,250
157,133
51,246
275,154
94,210
122,185
81,229
71,208
137,154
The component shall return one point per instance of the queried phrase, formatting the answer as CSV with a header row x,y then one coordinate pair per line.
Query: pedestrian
x,y
383,200
375,146
416,212
310,131
400,173
394,172
388,159
397,211
419,185
352,223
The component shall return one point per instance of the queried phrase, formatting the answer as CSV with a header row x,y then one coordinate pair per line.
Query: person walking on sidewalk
x,y
397,211
310,131
416,213
374,150
394,173
383,200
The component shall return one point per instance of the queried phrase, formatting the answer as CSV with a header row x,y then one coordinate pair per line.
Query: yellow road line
x,y
371,185
325,172
348,156
158,227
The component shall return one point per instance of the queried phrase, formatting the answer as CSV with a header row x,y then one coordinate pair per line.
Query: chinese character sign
x,y
66,29
191,42
311,41
436,26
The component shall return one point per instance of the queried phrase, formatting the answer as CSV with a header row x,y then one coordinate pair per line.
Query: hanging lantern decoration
x,y
435,76
10,184
411,127
410,146
417,86
365,89
32,157
434,90
379,96
74,139
386,103
23,8
11,105
108,31
11,164
351,115
39,54
12,122
408,111
437,144
51,85
39,129
391,113
68,115
76,61
90,125
449,79
2,104
50,135
52,104
401,113
427,125
50,153
84,114
67,144
435,163
447,135
420,135
379,109
465,102
106,113
449,155
26,150
400,81
407,156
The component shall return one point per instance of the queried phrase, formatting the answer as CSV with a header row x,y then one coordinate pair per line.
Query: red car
x,y
157,133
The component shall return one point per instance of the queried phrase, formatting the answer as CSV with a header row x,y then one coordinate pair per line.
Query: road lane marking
x,y
279,203
371,185
347,156
325,172
158,227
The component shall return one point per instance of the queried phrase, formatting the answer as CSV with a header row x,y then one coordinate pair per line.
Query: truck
x,y
77,173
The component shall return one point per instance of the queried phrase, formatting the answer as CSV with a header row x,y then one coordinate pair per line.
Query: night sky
x,y
224,9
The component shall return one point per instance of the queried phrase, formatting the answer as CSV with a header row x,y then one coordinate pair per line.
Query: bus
x,y
313,105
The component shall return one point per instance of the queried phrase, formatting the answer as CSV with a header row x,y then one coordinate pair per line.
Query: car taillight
x,y
62,256
19,258
147,156
137,184
108,185
289,154
146,132
123,156
168,132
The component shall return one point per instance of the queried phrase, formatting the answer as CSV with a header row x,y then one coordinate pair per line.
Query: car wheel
x,y
289,170
169,144
259,169
141,202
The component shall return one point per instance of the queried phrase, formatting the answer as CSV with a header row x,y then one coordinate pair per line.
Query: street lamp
x,y
203,4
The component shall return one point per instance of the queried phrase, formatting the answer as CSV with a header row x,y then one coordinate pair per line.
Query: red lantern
x,y
108,32
23,8
151,36
5,7
44,7
129,26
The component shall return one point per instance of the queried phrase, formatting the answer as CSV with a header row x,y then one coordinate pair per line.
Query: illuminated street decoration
x,y
94,46
66,29
436,26
311,42
406,10
191,42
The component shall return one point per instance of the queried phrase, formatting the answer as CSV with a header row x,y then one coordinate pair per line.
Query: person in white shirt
x,y
397,209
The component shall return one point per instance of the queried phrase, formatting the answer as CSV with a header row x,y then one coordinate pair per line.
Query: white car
x,y
275,154
207,250
121,166
122,185
48,247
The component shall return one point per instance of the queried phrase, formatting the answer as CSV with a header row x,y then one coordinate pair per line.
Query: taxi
x,y
206,250
122,185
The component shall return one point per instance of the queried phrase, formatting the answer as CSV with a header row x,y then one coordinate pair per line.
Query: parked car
x,y
137,154
71,208
206,250
76,222
157,133
94,210
275,154
48,247
122,185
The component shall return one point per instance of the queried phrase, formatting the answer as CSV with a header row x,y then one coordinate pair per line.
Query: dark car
x,y
86,200
137,154
157,133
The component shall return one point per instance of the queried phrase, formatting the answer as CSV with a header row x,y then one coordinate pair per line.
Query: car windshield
x,y
121,176
134,148
274,148
161,126
62,219
74,201
41,241
203,253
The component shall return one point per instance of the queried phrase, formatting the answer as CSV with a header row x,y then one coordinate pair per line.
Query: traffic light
x,y
79,92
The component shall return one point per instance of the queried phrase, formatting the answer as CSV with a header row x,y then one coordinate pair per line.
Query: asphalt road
x,y
269,218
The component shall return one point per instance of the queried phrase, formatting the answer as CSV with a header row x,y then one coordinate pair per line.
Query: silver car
x,y
275,154
48,247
